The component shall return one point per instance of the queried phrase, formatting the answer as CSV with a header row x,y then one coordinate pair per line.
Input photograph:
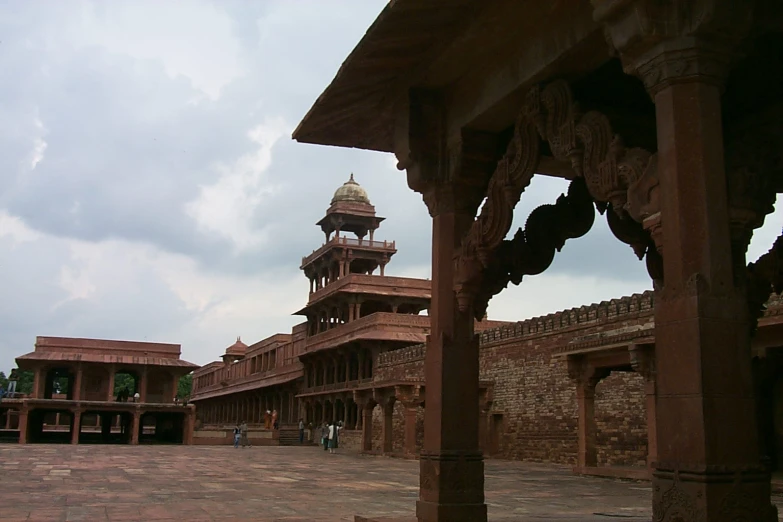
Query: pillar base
x,y
713,493
435,512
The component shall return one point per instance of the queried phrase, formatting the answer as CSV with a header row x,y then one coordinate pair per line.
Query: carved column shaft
x,y
643,362
708,454
586,378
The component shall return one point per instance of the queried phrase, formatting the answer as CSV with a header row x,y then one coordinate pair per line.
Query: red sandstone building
x,y
73,397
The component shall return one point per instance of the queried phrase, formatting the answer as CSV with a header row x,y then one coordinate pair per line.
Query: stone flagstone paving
x,y
200,483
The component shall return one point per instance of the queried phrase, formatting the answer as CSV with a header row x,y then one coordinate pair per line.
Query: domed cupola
x,y
351,192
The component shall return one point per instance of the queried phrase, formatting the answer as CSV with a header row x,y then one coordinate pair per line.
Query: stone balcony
x,y
277,375
382,286
336,387
363,244
380,326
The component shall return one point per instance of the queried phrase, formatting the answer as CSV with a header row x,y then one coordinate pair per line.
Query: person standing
x,y
12,380
243,434
325,435
237,434
301,431
332,436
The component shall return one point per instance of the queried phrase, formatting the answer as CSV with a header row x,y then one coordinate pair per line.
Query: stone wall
x,y
534,411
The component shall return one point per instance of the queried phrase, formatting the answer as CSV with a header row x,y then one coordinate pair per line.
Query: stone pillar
x,y
367,409
76,425
411,410
23,425
346,411
709,464
143,386
136,426
643,362
38,377
451,371
387,433
347,366
361,364
189,425
587,378
110,391
77,383
174,386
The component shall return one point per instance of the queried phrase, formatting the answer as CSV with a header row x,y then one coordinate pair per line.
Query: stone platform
x,y
282,484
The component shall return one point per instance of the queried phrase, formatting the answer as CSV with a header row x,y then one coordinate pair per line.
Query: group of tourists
x,y
329,431
240,435
330,435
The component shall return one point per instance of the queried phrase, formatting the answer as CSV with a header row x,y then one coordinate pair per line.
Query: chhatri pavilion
x,y
74,397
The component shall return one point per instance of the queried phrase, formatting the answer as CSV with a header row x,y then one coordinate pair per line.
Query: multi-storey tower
x,y
352,312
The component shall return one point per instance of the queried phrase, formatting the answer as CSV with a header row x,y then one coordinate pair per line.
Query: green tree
x,y
124,381
184,386
25,384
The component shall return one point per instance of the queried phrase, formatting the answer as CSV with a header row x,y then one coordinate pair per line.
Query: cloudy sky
x,y
149,188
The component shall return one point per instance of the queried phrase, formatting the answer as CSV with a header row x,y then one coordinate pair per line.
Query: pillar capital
x,y
683,60
670,42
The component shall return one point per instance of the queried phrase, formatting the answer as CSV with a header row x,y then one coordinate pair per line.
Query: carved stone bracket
x,y
643,361
754,171
764,277
585,374
411,396
606,171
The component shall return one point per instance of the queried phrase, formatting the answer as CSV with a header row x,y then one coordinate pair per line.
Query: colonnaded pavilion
x,y
667,119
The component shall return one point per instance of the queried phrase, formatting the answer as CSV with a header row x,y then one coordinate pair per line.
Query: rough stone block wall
x,y
534,414
621,420
351,440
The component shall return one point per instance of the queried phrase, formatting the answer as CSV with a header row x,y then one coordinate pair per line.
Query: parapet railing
x,y
337,386
402,356
349,241
374,321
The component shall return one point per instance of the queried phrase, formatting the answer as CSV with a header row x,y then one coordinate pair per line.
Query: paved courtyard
x,y
154,483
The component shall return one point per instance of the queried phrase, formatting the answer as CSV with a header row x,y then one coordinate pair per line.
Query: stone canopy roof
x,y
352,192
123,360
238,348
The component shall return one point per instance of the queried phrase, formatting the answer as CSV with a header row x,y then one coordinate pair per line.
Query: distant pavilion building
x,y
74,400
